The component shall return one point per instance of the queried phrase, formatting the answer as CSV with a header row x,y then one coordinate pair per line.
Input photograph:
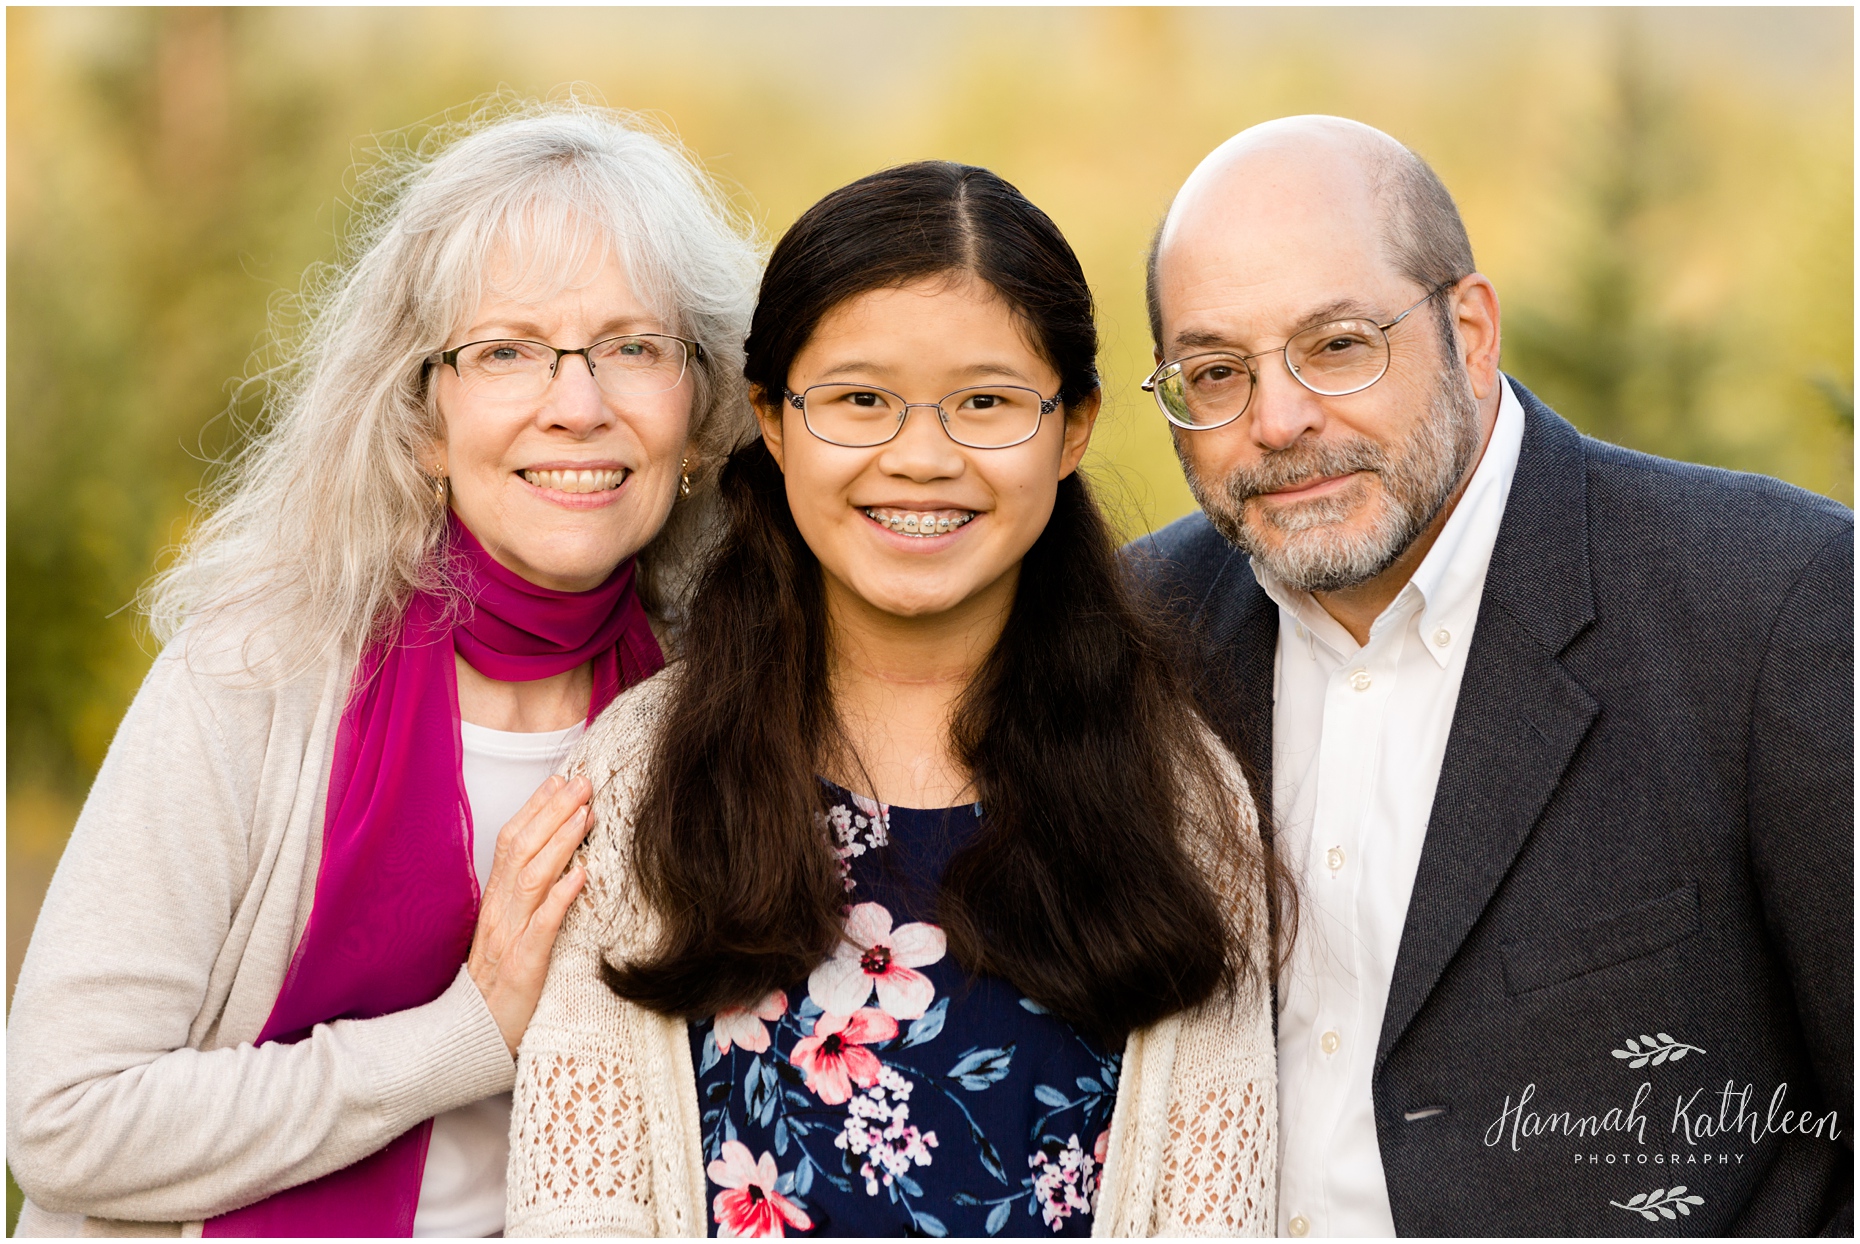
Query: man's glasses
x,y
1212,390
859,416
630,366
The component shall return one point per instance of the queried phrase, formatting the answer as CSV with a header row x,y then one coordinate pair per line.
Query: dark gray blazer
x,y
1639,867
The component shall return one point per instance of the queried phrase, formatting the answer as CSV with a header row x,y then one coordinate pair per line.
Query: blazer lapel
x,y
1238,628
1520,715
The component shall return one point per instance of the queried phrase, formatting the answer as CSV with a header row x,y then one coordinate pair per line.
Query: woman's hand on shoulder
x,y
525,900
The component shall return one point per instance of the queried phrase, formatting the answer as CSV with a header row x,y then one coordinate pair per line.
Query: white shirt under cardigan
x,y
462,1189
1358,736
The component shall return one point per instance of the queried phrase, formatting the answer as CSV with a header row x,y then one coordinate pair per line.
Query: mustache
x,y
1303,462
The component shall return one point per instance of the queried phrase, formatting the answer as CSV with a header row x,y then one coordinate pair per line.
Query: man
x,y
1557,738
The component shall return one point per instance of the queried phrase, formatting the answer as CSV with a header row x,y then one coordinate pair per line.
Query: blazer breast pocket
x,y
1564,954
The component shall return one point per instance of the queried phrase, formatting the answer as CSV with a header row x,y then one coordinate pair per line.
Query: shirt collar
x,y
1450,579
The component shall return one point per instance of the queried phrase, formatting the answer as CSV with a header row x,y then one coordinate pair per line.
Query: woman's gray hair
x,y
324,525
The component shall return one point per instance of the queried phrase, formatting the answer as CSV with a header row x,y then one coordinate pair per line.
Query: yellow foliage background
x,y
1663,197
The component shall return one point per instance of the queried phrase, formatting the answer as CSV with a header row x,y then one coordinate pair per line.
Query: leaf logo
x,y
1654,1050
1661,1203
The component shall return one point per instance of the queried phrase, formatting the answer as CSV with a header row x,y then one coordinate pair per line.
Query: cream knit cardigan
x,y
136,1102
604,1133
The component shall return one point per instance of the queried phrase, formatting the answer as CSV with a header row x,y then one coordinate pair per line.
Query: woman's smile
x,y
583,480
577,487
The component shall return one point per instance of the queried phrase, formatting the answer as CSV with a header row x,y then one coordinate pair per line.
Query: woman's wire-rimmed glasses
x,y
515,370
1333,359
860,416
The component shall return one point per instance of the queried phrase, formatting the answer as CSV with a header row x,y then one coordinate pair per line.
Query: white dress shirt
x,y
1358,735
462,1189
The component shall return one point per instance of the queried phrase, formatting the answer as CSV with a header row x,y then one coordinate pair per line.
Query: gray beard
x,y
1306,547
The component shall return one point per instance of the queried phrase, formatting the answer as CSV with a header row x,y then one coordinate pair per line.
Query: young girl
x,y
919,900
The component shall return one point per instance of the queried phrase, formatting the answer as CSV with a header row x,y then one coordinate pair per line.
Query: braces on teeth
x,y
913,525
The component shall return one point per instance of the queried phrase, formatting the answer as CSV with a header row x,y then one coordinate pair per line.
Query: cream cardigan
x,y
134,1094
604,1132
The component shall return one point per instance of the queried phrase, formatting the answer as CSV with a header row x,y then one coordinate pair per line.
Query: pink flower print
x,y
878,1129
743,1025
872,954
749,1207
1065,1180
835,1057
1101,1147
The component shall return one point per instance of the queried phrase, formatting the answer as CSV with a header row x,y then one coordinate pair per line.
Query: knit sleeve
x,y
1220,1158
1219,1150
577,1144
1220,1161
597,1129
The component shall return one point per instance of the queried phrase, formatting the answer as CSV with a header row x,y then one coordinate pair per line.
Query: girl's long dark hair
x,y
1088,885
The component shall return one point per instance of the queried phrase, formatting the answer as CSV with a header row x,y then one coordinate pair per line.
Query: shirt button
x,y
1442,637
1334,858
1299,1226
1329,1042
1359,679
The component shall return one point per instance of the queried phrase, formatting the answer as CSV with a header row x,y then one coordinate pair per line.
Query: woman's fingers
x,y
547,922
555,802
512,980
526,959
530,828
512,830
526,900
551,790
551,786
546,865
519,879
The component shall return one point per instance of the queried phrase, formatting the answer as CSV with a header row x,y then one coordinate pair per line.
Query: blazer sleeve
x,y
1801,810
113,1108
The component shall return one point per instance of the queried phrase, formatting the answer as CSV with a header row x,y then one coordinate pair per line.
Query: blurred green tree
x,y
1613,345
1604,351
130,301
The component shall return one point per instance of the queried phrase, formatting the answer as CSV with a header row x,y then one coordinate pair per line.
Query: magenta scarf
x,y
396,890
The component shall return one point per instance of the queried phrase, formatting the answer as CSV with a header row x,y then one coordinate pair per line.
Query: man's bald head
x,y
1311,165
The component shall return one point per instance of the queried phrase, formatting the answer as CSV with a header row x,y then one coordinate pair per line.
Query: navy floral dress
x,y
891,1093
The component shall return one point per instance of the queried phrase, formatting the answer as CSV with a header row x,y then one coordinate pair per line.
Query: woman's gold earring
x,y
439,491
684,478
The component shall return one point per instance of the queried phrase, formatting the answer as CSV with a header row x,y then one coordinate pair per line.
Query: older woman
x,y
280,977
